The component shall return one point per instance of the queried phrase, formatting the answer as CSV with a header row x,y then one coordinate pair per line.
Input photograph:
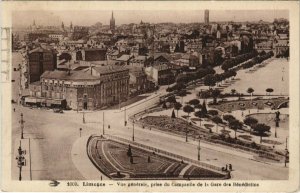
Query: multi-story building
x,y
36,62
91,88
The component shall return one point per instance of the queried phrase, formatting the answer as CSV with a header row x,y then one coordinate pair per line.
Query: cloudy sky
x,y
25,18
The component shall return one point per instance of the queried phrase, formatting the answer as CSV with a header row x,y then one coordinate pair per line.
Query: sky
x,y
87,18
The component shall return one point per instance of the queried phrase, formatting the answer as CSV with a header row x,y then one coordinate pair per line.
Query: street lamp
x,y
80,129
199,148
83,118
103,124
286,153
20,160
125,121
133,130
22,126
186,137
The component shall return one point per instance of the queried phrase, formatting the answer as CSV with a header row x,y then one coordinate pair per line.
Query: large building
x,y
112,22
88,89
36,62
206,17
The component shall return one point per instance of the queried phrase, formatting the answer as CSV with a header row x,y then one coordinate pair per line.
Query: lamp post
x,y
80,129
83,117
286,152
133,130
20,160
199,148
103,124
186,137
22,126
125,121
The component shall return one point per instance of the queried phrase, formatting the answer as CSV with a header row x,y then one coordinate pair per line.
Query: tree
x,y
233,91
171,99
250,121
213,112
204,109
269,90
250,91
198,106
188,109
182,94
261,129
217,120
194,102
228,118
209,80
235,125
177,107
215,94
173,114
204,94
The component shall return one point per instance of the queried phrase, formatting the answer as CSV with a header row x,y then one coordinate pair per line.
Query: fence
x,y
198,163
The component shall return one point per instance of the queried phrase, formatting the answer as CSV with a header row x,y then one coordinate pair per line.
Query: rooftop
x,y
63,75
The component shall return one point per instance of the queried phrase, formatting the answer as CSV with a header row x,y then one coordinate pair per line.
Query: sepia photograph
x,y
128,96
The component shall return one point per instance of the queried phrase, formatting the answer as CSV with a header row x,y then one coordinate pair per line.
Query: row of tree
x,y
257,60
212,79
232,62
259,128
191,76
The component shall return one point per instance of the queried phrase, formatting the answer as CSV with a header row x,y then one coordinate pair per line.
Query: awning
x,y
30,100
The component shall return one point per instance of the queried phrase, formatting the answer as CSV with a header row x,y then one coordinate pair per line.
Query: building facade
x,y
36,62
89,89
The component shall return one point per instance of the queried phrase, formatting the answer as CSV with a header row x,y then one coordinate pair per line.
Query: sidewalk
x,y
82,161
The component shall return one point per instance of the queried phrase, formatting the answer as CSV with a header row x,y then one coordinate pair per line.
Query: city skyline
x,y
54,18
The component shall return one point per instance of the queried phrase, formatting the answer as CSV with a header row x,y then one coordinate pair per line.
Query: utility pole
x,y
83,118
120,100
22,126
103,124
199,149
125,121
133,130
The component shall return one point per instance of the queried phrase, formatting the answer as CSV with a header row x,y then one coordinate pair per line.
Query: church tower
x,y
112,22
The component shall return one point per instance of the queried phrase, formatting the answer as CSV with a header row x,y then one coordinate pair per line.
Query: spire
x,y
112,14
62,25
33,22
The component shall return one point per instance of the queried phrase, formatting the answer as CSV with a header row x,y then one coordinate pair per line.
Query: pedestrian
x,y
242,113
226,167
14,110
230,167
108,126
